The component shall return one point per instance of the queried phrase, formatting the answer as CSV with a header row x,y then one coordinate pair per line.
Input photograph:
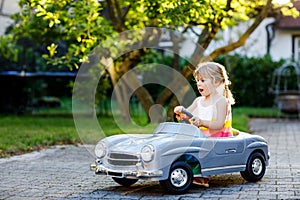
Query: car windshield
x,y
178,128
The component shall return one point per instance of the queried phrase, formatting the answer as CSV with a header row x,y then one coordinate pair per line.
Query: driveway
x,y
62,172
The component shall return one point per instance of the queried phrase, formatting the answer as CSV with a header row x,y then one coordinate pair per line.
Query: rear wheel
x,y
180,178
255,168
125,181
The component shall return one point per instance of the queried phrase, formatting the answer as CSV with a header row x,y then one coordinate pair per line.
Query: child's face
x,y
205,86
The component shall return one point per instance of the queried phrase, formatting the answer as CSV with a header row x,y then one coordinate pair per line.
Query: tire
x,y
255,168
180,178
125,181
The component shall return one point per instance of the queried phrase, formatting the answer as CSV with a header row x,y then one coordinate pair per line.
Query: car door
x,y
225,153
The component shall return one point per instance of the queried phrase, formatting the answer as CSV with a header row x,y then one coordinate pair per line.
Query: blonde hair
x,y
217,73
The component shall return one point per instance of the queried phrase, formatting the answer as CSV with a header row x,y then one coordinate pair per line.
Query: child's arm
x,y
191,108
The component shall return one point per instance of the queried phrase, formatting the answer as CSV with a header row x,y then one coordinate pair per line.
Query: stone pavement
x,y
62,172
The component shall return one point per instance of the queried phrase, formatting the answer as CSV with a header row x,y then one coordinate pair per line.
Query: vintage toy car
x,y
176,153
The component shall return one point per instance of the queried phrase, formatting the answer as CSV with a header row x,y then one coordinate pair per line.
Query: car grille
x,y
122,159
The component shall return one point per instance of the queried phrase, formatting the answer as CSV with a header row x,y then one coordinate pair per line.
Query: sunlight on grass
x,y
20,134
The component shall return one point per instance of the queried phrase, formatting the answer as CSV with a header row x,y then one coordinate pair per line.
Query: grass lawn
x,y
19,134
242,115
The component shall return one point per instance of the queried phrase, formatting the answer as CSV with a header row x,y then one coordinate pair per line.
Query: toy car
x,y
173,152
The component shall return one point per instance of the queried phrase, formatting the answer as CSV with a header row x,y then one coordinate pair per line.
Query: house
x,y
285,41
277,36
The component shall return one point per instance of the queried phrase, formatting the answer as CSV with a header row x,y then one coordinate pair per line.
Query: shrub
x,y
251,79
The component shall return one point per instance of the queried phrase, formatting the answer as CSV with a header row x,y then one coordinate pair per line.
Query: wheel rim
x,y
179,177
257,166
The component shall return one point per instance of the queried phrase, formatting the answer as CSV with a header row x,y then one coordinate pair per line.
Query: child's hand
x,y
196,121
178,109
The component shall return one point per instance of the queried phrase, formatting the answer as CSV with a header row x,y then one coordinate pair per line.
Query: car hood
x,y
166,135
132,143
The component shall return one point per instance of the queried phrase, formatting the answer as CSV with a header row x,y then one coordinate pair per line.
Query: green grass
x,y
47,127
27,133
241,116
19,134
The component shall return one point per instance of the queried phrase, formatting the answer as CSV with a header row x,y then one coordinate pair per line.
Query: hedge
x,y
250,79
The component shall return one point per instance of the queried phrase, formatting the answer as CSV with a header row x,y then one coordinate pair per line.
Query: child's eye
x,y
202,80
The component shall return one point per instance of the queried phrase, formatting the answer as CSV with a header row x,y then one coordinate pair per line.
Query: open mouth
x,y
200,90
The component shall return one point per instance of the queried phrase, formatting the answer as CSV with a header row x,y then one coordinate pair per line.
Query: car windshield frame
x,y
179,129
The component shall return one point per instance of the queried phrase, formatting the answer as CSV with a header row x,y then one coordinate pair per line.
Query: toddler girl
x,y
212,110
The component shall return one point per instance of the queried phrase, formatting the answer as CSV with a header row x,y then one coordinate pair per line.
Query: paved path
x,y
63,173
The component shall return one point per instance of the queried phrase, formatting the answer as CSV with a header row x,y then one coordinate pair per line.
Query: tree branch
x,y
118,12
115,15
242,40
111,12
126,12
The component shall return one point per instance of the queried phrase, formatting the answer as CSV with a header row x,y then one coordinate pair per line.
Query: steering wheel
x,y
184,116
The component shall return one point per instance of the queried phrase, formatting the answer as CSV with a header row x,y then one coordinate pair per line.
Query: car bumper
x,y
138,173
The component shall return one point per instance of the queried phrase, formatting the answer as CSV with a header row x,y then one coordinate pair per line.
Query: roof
x,y
290,22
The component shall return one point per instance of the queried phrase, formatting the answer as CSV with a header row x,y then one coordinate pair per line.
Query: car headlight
x,y
147,153
100,150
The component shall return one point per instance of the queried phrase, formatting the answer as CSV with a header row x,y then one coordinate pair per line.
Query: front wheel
x,y
255,168
180,178
125,181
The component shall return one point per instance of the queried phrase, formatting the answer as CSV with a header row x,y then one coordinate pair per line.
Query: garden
x,y
50,42
41,127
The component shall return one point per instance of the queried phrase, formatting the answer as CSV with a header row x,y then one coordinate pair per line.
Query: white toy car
x,y
173,152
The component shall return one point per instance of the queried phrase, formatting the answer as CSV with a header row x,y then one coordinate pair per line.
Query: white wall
x,y
282,44
7,8
256,44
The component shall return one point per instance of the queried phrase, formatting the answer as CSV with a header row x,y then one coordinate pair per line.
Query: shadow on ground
x,y
229,184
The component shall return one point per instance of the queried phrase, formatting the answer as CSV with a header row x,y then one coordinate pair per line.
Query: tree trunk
x,y
154,113
121,97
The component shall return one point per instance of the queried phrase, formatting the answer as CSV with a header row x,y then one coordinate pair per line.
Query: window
x,y
296,47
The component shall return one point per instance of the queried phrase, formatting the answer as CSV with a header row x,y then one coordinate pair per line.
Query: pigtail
x,y
227,92
228,95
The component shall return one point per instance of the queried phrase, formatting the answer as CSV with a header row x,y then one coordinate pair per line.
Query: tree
x,y
81,25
